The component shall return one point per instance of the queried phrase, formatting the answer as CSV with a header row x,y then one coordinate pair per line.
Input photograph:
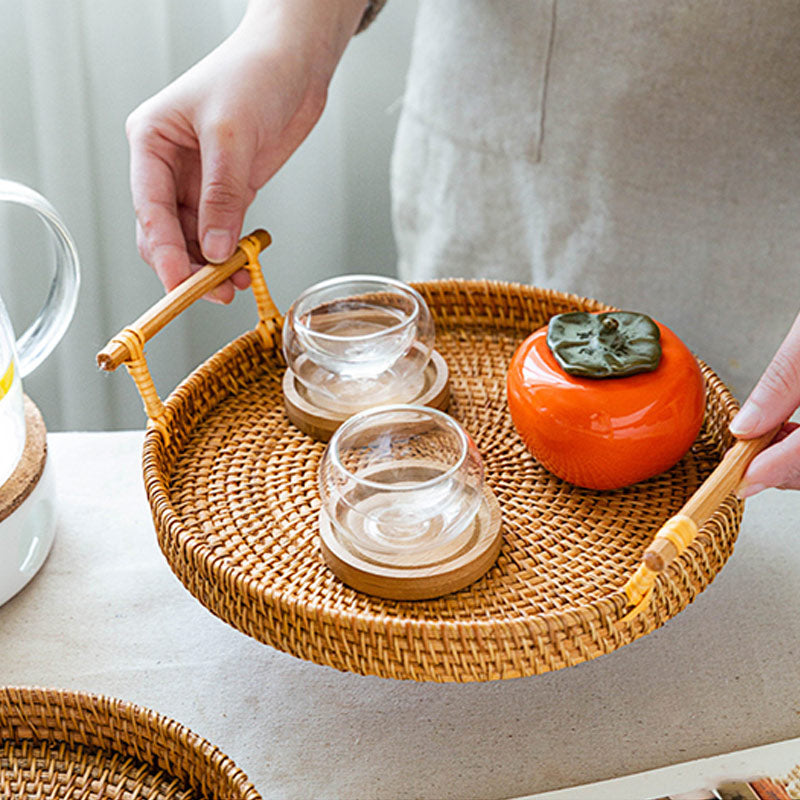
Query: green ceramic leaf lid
x,y
611,344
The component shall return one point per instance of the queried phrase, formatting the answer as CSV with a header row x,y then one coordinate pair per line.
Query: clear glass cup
x,y
358,341
401,482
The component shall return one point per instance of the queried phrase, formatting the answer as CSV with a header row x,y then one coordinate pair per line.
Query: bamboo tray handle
x,y
127,347
678,532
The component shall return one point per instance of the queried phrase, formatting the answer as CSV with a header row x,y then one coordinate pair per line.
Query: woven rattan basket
x,y
72,745
233,490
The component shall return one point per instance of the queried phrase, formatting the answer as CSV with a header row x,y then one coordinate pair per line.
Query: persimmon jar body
x,y
606,432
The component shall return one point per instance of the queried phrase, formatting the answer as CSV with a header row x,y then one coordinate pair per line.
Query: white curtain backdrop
x,y
71,72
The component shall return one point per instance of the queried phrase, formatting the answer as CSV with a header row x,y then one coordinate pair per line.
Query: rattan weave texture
x,y
235,503
78,746
792,783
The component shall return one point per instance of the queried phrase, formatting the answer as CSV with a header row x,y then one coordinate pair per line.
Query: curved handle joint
x,y
269,318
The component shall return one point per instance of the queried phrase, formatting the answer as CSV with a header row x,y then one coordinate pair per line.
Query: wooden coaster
x,y
453,571
26,474
320,423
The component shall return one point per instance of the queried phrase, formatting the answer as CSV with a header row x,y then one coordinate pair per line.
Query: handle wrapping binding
x,y
680,531
269,318
133,340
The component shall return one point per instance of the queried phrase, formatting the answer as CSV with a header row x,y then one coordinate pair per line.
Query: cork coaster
x,y
24,478
320,423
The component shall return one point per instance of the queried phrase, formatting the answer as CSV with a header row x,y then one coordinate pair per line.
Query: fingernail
x,y
746,420
217,296
217,245
749,489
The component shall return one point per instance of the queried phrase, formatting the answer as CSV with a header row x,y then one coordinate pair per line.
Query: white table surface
x,y
106,615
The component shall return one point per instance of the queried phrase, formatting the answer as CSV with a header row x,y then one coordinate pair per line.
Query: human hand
x,y
203,146
774,399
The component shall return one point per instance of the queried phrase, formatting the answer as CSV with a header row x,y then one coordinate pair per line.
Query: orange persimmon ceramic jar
x,y
606,399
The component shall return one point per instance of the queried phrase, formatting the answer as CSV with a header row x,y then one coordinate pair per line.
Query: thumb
x,y
777,394
225,191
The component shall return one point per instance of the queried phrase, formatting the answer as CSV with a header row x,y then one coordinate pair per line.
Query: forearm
x,y
320,29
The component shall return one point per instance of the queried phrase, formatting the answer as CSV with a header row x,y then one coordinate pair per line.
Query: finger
x,y
225,192
778,465
159,235
188,219
222,294
171,264
786,430
226,291
241,279
777,394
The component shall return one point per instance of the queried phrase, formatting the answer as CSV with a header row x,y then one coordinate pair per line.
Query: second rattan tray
x,y
233,489
61,744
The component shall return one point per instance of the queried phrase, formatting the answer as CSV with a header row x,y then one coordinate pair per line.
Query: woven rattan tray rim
x,y
605,612
146,735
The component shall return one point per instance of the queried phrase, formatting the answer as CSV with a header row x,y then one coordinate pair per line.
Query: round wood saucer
x,y
454,566
320,423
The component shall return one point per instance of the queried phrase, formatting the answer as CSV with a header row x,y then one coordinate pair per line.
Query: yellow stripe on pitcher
x,y
7,380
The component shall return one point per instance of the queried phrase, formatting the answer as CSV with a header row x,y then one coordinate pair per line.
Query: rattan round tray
x,y
78,746
233,490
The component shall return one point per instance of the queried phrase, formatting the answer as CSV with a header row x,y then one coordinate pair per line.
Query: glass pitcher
x,y
19,357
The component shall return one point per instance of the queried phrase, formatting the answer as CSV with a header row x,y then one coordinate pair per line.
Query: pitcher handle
x,y
45,332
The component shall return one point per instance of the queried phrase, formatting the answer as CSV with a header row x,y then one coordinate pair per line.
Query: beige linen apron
x,y
643,152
